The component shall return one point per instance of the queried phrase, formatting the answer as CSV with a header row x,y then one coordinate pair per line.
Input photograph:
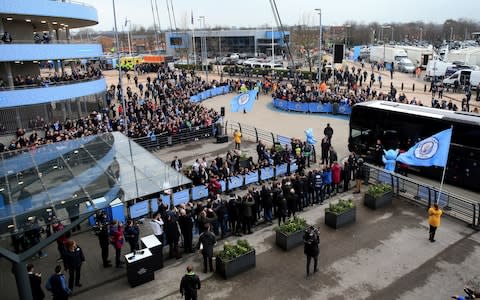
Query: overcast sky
x,y
258,12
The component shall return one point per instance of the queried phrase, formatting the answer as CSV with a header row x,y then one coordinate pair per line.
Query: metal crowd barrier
x,y
183,136
425,195
256,134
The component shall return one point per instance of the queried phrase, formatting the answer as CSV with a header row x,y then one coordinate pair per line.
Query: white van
x,y
463,77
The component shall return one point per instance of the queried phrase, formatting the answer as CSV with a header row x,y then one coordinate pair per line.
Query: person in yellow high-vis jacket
x,y
237,137
434,214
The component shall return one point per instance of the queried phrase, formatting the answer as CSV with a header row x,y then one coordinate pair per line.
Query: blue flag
x,y
432,151
244,101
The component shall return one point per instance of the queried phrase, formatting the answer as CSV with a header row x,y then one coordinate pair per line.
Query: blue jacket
x,y
328,176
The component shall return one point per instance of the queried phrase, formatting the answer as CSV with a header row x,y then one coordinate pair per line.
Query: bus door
x,y
465,77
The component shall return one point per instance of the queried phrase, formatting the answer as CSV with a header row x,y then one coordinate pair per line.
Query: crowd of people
x,y
45,81
160,105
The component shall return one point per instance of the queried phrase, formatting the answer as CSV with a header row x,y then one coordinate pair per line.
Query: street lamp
x,y
421,34
129,23
319,10
384,27
119,66
345,33
204,46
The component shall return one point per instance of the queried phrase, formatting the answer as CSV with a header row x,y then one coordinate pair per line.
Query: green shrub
x,y
378,190
340,207
230,251
293,225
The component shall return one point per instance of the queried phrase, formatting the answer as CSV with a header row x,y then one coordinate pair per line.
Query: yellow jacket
x,y
434,216
237,136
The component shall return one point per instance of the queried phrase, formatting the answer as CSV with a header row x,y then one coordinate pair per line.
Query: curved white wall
x,y
40,95
49,8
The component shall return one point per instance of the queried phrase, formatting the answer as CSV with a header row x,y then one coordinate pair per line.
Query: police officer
x,y
101,230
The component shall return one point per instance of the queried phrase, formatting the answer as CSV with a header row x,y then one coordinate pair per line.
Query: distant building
x,y
224,42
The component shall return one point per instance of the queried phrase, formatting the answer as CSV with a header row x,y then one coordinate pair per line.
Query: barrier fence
x,y
185,135
313,107
425,195
199,192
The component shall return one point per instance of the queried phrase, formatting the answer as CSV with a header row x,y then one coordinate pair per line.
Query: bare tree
x,y
305,41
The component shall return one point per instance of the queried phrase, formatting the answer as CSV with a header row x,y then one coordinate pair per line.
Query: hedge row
x,y
191,67
262,72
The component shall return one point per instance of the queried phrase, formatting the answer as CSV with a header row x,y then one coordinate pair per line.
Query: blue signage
x,y
181,197
235,182
293,167
199,192
281,169
251,177
210,93
223,183
266,173
138,209
313,107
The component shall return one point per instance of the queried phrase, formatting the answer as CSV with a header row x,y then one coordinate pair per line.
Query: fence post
x,y
429,198
413,87
402,87
226,127
273,138
425,88
314,155
256,134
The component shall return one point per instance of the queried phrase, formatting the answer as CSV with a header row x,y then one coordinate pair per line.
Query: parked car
x,y
406,65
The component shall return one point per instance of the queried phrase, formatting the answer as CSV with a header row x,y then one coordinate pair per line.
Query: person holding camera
x,y
101,231
311,240
35,283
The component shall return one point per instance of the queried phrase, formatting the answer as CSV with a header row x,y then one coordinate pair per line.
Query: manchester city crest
x,y
426,149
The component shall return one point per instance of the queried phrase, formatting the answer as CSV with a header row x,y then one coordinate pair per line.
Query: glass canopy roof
x,y
67,179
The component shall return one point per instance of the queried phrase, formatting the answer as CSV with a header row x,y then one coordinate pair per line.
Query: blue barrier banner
x,y
223,183
251,177
319,107
154,204
139,209
235,182
344,109
280,169
195,98
281,104
199,192
266,173
293,167
226,89
180,197
298,106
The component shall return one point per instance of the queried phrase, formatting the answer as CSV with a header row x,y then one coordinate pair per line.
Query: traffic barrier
x,y
312,107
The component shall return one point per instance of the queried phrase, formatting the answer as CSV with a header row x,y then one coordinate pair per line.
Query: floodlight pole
x,y
124,112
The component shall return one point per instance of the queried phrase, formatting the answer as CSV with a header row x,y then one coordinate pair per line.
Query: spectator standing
x,y
173,235
434,214
336,172
116,239
132,234
58,285
35,283
206,242
73,260
185,222
311,240
325,149
176,164
189,284
328,131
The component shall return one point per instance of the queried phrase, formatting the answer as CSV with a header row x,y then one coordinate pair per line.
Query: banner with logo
x,y
281,104
313,107
280,169
235,182
318,107
251,177
223,184
139,209
298,106
266,173
199,192
344,109
181,197
244,101
293,167
210,93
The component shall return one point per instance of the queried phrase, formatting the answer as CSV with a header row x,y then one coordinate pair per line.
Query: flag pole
x,y
443,176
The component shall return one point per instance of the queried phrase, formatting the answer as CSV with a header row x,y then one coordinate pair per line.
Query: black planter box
x,y
289,241
235,266
337,221
378,202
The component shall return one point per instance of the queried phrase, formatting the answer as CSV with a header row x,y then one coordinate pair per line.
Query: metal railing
x,y
425,195
51,41
49,84
169,139
256,134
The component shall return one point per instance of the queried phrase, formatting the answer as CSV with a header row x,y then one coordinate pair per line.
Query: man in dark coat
x,y
206,242
325,149
58,285
247,206
35,283
190,284
328,131
186,227
173,235
311,240
73,260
